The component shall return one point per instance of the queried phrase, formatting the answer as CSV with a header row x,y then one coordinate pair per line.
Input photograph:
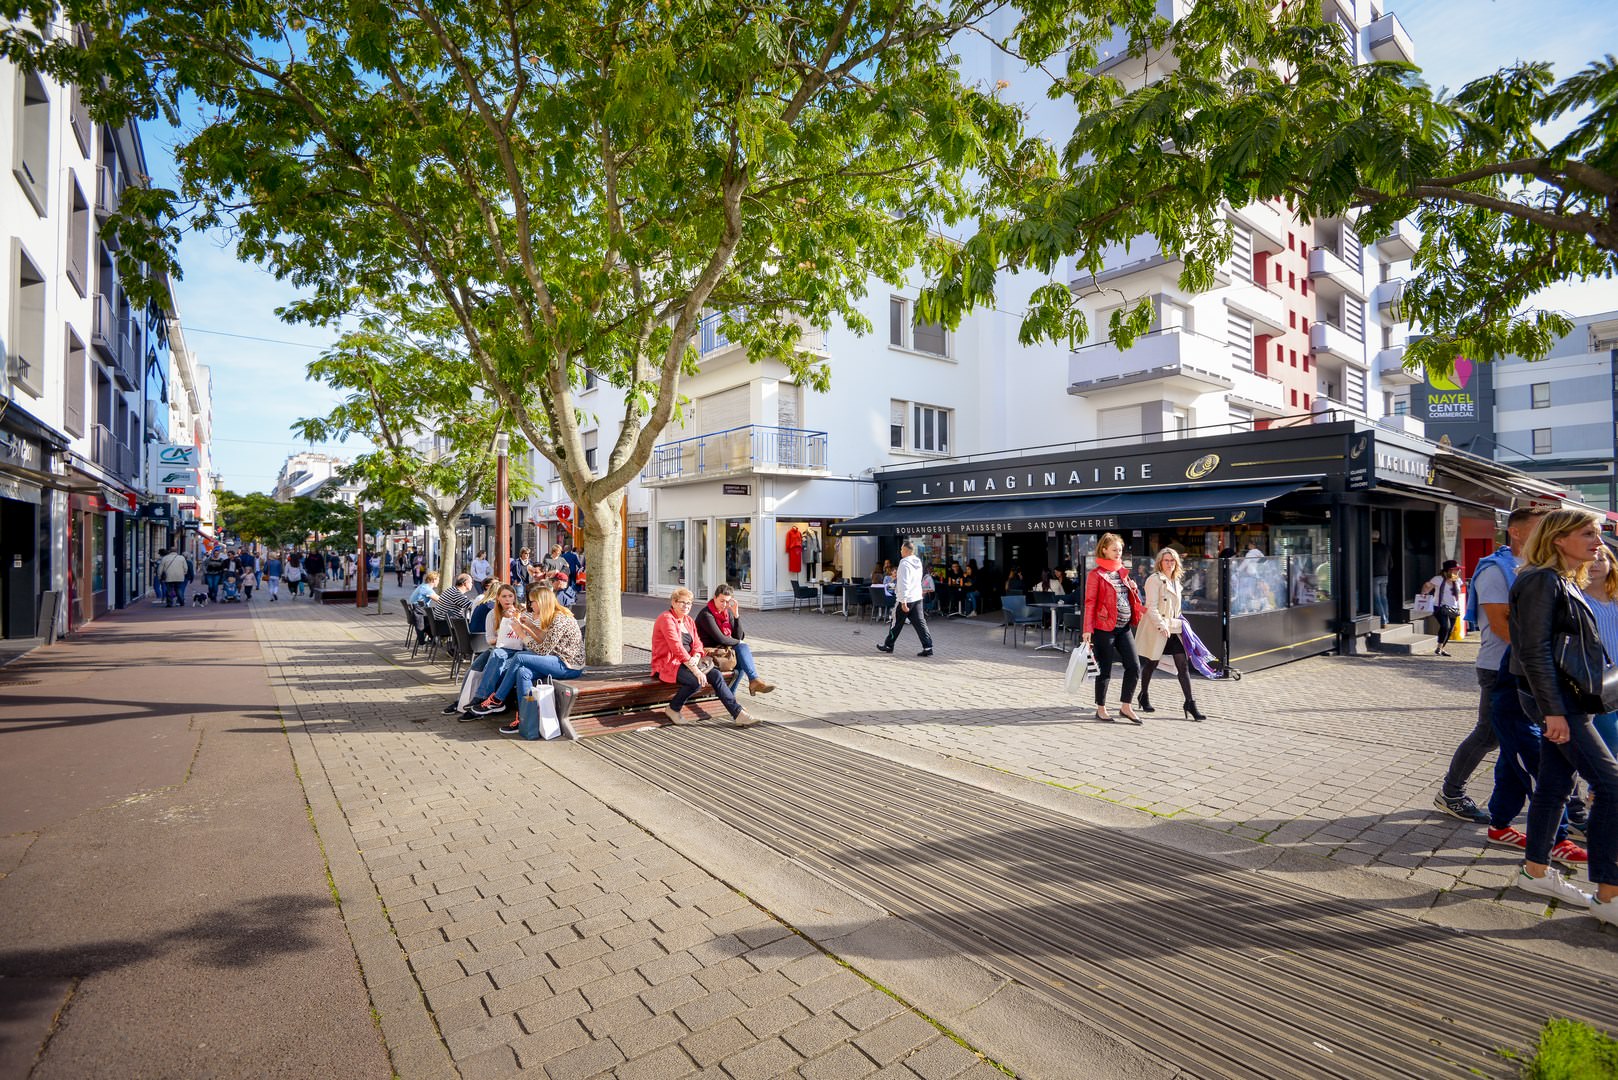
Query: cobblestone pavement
x,y
544,932
1335,756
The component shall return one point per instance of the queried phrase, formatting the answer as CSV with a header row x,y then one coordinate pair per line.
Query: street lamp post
x,y
502,509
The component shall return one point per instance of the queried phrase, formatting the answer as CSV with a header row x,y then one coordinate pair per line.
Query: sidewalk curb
x,y
1001,1018
409,1033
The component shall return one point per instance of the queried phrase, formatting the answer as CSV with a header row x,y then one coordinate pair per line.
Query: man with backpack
x,y
171,570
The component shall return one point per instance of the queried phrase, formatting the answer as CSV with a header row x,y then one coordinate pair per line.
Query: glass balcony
x,y
739,451
1175,357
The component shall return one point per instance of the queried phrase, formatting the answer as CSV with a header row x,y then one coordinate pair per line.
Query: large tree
x,y
1513,178
578,183
410,392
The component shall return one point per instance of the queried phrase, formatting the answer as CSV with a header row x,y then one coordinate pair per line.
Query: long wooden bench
x,y
626,697
333,596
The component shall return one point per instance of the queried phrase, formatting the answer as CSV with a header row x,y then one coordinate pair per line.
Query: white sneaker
x,y
744,719
1607,913
1555,886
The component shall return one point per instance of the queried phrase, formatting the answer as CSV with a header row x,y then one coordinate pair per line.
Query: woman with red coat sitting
x,y
677,657
1112,607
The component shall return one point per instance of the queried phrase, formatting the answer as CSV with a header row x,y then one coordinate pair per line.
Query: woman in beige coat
x,y
1159,630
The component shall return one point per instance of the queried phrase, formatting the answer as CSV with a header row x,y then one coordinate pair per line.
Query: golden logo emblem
x,y
1238,517
1201,467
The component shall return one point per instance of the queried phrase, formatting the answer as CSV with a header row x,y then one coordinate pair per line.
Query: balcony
x,y
109,194
740,451
713,345
1326,340
1387,297
1390,367
1386,39
109,452
1401,243
1268,223
1331,274
1267,310
105,331
1176,358
1145,261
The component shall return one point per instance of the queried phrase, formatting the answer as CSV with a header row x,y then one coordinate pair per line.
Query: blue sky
x,y
259,384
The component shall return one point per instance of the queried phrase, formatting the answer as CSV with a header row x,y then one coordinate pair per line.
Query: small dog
x,y
200,600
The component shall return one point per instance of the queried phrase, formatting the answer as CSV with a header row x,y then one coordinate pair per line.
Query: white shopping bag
x,y
542,702
1424,604
469,686
1081,665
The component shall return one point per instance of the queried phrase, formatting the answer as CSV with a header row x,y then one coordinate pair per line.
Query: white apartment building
x,y
85,394
308,473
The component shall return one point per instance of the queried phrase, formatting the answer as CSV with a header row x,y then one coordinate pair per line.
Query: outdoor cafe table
x,y
834,588
1057,605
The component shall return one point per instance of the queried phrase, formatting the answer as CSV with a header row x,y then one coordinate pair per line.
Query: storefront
x,y
31,513
1279,530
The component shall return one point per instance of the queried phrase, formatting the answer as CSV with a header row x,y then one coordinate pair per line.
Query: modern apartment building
x,y
310,473
85,396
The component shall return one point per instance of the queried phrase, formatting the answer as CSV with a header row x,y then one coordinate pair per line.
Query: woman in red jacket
x,y
677,658
1112,607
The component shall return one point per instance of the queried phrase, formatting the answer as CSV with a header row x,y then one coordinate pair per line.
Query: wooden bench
x,y
334,596
626,697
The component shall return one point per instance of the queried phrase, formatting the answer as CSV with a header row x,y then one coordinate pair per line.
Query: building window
x,y
1306,400
1306,361
671,553
929,432
25,340
1541,395
1401,406
591,379
907,332
1542,440
1277,271
1305,288
1292,280
1305,326
73,417
1294,399
1292,319
589,438
1280,354
896,424
30,154
1293,353
78,240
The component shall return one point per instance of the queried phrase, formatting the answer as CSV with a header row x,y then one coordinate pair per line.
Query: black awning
x,y
1209,507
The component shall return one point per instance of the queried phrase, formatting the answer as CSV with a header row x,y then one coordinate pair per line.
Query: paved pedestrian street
x,y
690,902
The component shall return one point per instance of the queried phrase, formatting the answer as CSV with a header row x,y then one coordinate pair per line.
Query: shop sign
x,y
180,489
178,456
1098,471
193,526
160,511
13,488
738,489
20,451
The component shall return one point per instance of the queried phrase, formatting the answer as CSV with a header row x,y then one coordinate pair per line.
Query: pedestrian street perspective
x,y
248,840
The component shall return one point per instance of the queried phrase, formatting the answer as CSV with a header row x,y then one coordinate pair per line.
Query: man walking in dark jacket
x,y
314,568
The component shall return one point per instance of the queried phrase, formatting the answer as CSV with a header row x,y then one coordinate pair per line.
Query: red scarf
x,y
721,616
1111,566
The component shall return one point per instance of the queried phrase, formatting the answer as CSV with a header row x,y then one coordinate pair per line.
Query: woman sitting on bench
x,y
677,658
552,648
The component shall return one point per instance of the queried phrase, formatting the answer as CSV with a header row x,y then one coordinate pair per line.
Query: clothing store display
x,y
794,550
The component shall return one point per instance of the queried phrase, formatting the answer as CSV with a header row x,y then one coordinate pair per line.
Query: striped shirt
x,y
1606,612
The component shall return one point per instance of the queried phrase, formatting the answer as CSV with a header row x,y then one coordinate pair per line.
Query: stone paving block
x,y
868,1009
614,988
672,994
727,973
896,1038
517,996
661,971
468,988
708,1046
810,968
632,933
549,1043
640,1038
843,1063
833,990
499,956
818,1034
941,1059
669,1063
474,1039
644,952
577,975
781,952
763,987
587,1060
682,938
552,1010
769,1058
773,1016
493,1064
578,951
709,1009
716,950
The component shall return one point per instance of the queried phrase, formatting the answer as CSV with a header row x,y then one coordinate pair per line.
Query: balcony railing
x,y
109,193
1327,269
1329,341
1387,40
1175,356
1390,365
1401,242
105,332
711,337
1267,310
748,449
1388,296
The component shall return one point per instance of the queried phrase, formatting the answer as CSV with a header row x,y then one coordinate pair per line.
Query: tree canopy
x,y
1267,104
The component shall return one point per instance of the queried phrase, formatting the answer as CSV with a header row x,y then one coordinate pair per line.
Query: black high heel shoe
x,y
1145,704
1192,712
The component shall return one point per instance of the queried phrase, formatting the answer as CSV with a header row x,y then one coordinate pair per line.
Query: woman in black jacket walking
x,y
1546,605
719,625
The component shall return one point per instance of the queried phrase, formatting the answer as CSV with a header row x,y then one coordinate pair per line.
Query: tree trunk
x,y
446,553
603,567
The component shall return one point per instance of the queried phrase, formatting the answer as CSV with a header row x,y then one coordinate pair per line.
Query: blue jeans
x,y
1607,727
744,661
493,666
1521,741
213,586
173,592
1379,597
1585,753
521,669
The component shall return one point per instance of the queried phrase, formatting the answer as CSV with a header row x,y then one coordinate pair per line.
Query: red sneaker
x,y
1569,852
1509,837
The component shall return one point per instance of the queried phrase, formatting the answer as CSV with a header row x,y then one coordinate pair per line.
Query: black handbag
x,y
1595,691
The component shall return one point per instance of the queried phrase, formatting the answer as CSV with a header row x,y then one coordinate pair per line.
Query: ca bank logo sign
x,y
177,456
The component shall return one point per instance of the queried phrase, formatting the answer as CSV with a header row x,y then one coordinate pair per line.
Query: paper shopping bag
x,y
1081,665
1424,605
536,713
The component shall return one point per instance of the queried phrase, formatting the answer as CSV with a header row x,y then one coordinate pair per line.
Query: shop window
x,y
1541,392
1542,441
739,553
930,429
25,340
30,153
671,553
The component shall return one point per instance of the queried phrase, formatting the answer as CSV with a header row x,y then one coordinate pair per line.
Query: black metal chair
x,y
461,646
410,620
881,603
1017,618
418,619
803,594
1072,623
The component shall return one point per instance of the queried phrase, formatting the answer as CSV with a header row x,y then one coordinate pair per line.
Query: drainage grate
x,y
1225,973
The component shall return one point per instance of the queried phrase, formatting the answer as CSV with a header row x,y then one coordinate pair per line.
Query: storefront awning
x,y
1186,508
